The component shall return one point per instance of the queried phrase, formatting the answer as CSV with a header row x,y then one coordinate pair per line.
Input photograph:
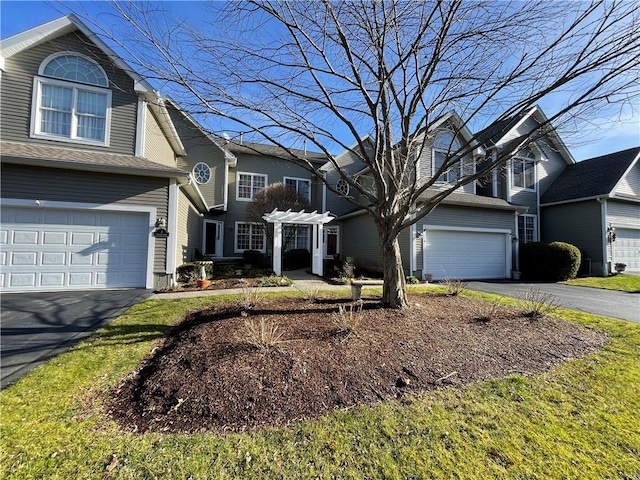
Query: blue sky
x,y
16,16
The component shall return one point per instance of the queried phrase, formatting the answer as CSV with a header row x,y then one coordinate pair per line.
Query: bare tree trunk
x,y
394,293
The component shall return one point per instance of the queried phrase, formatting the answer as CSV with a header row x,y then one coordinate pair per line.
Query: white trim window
x,y
527,231
523,170
297,237
250,236
71,101
248,185
301,185
443,146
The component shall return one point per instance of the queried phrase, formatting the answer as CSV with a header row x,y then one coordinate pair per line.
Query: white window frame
x,y
327,230
36,115
252,225
297,180
294,239
253,175
445,176
534,218
524,160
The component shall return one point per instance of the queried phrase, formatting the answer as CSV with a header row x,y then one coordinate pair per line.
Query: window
x,y
443,146
302,186
71,102
202,173
526,229
249,184
296,237
342,187
249,236
523,173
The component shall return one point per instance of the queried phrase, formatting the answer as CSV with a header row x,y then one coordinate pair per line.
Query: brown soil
x,y
207,375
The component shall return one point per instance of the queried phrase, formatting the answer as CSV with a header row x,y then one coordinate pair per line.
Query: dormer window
x,y
71,101
443,146
523,170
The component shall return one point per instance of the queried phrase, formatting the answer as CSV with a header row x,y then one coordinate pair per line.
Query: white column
x,y
316,263
277,248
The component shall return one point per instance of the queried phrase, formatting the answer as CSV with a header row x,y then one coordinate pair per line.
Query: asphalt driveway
x,y
610,303
35,327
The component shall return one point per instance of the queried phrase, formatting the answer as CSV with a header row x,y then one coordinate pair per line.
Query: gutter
x,y
194,193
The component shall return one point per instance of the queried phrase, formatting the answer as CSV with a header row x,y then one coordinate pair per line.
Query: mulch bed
x,y
208,376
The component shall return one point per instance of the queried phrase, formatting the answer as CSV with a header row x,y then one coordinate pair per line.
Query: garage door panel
x,y
626,248
97,249
465,254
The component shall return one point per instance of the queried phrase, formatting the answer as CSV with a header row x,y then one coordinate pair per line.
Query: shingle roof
x,y
590,178
77,159
274,151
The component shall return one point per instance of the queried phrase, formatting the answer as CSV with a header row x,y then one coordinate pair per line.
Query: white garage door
x,y
465,254
55,249
626,248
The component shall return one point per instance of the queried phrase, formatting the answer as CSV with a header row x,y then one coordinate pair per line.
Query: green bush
x,y
274,281
296,259
554,262
190,272
254,258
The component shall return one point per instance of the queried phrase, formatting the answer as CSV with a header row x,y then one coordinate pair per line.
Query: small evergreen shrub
x,y
190,272
553,262
252,257
296,259
412,280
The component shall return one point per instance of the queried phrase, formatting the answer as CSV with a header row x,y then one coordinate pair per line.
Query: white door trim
x,y
508,234
219,240
113,207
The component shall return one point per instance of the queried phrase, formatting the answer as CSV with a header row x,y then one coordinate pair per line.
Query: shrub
x,y
348,319
555,261
190,272
262,333
296,259
274,281
249,297
454,285
535,303
252,257
486,311
413,280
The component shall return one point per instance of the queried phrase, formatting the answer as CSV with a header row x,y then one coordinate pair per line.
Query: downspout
x,y
225,188
537,183
606,267
324,192
517,242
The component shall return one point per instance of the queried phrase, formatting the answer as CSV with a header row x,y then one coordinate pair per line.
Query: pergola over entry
x,y
278,217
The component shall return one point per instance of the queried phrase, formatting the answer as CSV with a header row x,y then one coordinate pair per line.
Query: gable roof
x,y
43,33
272,151
591,178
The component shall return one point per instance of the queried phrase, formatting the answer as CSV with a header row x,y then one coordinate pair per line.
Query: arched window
x,y
523,170
445,146
71,101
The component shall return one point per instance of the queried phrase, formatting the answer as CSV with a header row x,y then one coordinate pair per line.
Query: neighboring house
x,y
476,231
595,205
88,166
106,184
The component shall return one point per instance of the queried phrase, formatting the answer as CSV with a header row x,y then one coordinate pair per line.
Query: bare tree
x,y
331,72
281,197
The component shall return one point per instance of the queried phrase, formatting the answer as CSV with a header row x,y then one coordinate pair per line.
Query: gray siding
x,y
549,169
88,187
275,169
189,230
200,148
579,224
17,87
623,214
630,184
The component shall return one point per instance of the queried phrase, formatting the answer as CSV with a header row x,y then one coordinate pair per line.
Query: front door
x,y
331,241
213,231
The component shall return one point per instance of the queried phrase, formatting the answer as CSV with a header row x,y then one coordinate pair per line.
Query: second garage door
x,y
64,249
466,254
626,248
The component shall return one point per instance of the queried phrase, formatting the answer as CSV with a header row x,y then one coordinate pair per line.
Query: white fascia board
x,y
516,126
574,200
159,108
453,117
194,193
1,63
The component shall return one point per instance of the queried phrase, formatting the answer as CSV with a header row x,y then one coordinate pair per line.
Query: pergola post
x,y
316,250
277,248
302,218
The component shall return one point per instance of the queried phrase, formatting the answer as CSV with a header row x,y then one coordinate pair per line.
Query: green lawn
x,y
624,283
579,420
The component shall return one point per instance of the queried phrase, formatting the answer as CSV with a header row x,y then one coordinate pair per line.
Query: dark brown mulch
x,y
206,375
